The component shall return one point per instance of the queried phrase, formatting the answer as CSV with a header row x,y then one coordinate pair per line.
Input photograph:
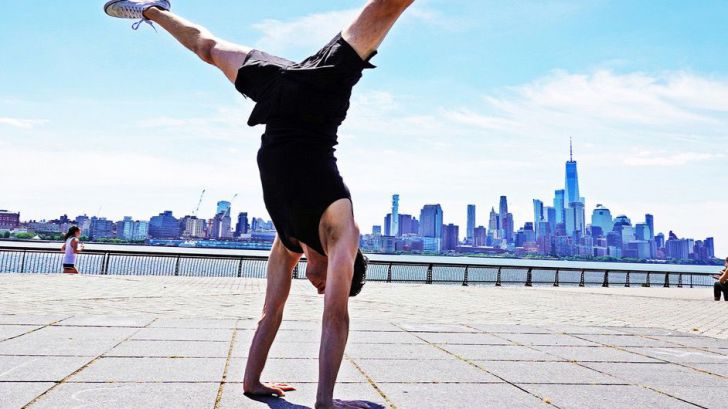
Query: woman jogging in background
x,y
721,286
70,248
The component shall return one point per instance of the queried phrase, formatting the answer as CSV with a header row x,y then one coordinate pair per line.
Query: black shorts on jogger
x,y
302,106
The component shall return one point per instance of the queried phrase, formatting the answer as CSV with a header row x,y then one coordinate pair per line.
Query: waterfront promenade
x,y
181,342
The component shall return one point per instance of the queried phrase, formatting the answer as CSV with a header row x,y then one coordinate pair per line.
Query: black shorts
x,y
69,266
302,106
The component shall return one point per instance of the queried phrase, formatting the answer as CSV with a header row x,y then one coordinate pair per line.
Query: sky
x,y
471,100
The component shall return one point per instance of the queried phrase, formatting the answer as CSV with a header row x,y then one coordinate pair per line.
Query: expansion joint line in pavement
x,y
661,392
220,389
596,370
372,382
473,364
86,365
33,330
681,364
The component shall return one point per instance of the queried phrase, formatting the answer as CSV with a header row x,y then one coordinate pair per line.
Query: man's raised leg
x,y
366,33
225,55
340,238
279,273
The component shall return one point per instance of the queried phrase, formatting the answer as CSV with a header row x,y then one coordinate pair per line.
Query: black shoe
x,y
360,274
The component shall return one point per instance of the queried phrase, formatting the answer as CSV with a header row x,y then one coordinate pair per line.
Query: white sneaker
x,y
134,9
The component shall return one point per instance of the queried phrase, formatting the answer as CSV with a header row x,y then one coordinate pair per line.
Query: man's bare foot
x,y
346,404
268,389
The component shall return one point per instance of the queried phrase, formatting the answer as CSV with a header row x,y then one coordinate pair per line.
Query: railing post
x,y
606,279
647,282
465,278
691,280
429,274
105,264
240,267
22,261
176,266
389,273
529,278
556,278
667,280
679,281
295,271
498,281
626,282
581,280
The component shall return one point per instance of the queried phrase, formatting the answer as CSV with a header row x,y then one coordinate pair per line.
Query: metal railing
x,y
476,271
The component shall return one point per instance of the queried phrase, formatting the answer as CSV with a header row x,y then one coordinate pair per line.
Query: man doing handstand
x,y
301,105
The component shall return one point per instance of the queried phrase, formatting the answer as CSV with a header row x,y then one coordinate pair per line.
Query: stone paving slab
x,y
19,394
707,397
548,339
39,368
462,339
604,397
12,331
460,396
75,341
498,352
159,342
424,371
170,349
130,396
680,355
593,354
141,370
546,372
658,374
183,334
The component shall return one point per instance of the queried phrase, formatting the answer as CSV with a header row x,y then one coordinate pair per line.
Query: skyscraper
x,y
223,206
394,230
559,197
650,221
470,234
537,213
431,221
450,237
602,217
164,226
494,224
572,179
242,226
506,219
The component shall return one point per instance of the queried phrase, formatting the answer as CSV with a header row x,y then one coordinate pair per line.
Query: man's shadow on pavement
x,y
282,403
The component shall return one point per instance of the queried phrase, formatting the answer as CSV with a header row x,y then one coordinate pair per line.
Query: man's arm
x,y
280,268
226,56
366,33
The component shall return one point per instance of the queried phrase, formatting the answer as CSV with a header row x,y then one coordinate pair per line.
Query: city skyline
x,y
643,98
559,229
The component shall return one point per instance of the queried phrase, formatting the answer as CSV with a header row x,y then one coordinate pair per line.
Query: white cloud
x,y
21,123
672,108
648,158
308,32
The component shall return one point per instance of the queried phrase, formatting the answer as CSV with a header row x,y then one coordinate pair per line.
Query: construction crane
x,y
199,203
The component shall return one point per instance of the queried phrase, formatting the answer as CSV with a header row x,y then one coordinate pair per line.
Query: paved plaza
x,y
180,342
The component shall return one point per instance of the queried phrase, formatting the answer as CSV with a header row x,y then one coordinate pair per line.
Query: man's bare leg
x,y
366,33
225,55
279,273
340,238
